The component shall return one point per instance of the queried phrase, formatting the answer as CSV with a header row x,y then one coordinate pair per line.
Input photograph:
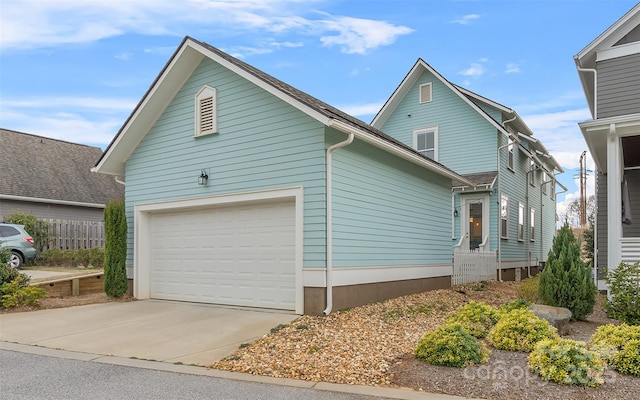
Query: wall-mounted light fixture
x,y
203,178
455,212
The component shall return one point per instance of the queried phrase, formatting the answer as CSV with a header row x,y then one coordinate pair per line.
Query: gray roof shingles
x,y
39,167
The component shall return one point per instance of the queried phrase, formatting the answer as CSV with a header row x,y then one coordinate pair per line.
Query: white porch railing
x,y
473,266
630,250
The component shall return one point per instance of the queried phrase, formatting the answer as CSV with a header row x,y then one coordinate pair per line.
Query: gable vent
x,y
425,93
206,118
206,114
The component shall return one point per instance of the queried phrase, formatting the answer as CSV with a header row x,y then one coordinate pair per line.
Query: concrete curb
x,y
392,393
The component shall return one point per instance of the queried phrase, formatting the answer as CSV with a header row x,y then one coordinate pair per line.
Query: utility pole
x,y
583,189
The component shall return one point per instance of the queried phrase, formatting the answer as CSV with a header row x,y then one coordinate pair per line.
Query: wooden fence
x,y
473,266
75,234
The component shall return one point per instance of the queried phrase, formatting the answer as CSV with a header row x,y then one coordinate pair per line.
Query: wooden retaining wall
x,y
73,286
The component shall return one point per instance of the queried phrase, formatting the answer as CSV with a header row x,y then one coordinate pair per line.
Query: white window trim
x,y
204,93
532,172
505,234
520,222
424,85
545,179
511,154
532,224
419,131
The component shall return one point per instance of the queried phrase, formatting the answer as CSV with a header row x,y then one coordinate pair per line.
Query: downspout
x,y
329,234
119,181
504,125
595,88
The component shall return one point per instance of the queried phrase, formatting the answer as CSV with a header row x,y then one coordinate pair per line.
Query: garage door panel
x,y
237,255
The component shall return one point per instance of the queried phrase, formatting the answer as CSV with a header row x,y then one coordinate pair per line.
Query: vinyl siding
x,y
466,140
515,185
619,86
50,211
262,143
387,211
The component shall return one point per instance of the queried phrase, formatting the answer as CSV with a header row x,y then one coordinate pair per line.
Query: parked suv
x,y
16,239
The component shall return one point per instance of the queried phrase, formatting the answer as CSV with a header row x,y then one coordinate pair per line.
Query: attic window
x,y
206,106
425,93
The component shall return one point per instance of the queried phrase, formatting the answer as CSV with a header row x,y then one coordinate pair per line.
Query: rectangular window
x,y
425,141
504,216
510,149
520,221
425,93
532,172
532,223
545,178
553,189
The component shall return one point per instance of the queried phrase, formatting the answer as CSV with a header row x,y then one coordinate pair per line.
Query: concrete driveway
x,y
173,332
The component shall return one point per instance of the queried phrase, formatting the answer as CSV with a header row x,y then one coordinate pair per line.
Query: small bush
x,y
520,330
624,287
451,346
475,318
619,346
568,362
17,293
529,289
513,305
8,274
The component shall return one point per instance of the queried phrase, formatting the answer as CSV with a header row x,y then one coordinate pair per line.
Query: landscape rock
x,y
556,316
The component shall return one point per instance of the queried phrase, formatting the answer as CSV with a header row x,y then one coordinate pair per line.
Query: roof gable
x,y
182,64
51,170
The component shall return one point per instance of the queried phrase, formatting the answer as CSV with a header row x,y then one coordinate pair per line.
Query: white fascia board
x,y
51,201
618,51
398,151
148,111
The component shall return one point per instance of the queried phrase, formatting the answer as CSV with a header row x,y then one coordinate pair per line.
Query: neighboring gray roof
x,y
479,179
43,168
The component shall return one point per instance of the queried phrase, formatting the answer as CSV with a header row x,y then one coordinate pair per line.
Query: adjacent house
x,y
52,180
243,190
609,69
507,218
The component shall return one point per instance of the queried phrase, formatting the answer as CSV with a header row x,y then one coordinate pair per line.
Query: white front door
x,y
475,222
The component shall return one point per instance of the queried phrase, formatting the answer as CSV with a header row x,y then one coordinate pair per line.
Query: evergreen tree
x,y
115,252
566,281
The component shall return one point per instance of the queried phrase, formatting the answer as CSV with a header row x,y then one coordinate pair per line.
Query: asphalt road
x,y
30,376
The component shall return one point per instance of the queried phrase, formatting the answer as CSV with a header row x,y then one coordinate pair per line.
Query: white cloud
x,y
87,103
475,70
124,56
55,22
512,68
357,36
466,19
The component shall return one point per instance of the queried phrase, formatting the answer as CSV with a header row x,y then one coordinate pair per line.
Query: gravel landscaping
x,y
374,344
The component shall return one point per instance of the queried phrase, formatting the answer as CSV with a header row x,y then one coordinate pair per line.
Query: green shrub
x,y
624,288
115,256
619,346
528,289
8,274
567,362
475,318
37,228
451,346
513,305
566,281
5,255
520,330
16,293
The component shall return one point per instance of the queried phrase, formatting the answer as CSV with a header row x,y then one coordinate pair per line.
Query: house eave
x,y
50,201
597,131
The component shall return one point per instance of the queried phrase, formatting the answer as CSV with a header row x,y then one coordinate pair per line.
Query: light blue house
x,y
243,190
506,220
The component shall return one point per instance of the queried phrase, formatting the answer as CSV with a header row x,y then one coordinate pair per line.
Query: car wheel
x,y
15,261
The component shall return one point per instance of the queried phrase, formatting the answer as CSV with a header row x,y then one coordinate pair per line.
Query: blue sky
x,y
75,69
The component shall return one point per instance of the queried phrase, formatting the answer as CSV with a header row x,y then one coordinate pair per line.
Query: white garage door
x,y
237,255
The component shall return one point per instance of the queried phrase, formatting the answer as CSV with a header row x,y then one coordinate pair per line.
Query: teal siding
x,y
262,143
387,211
466,140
